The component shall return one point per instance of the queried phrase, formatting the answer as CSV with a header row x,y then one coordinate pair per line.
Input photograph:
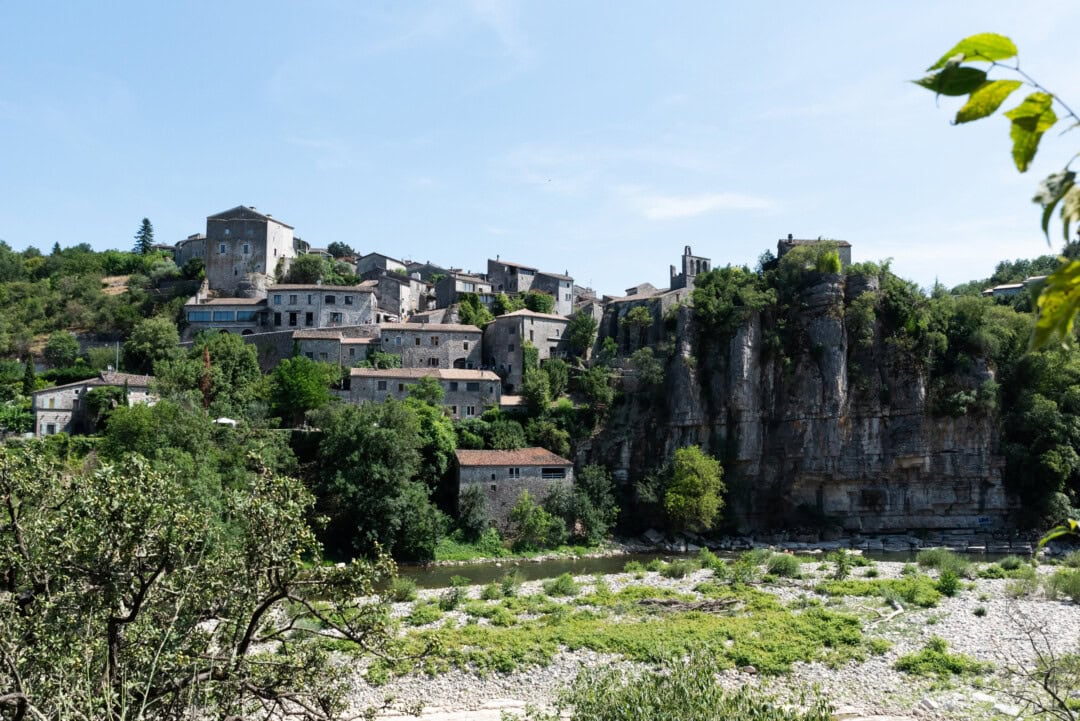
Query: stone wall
x,y
503,491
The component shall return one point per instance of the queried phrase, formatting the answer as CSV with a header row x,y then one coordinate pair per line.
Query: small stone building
x,y
507,277
449,289
466,393
843,248
505,337
433,345
243,247
320,306
503,475
62,409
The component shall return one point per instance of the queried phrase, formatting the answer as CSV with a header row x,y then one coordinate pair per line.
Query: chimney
x,y
789,237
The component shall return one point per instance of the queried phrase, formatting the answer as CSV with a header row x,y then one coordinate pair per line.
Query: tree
x,y
472,512
637,323
340,250
128,603
532,527
558,373
693,497
539,302
547,435
144,238
725,297
582,332
62,349
299,385
472,312
427,390
536,391
307,269
960,72
504,304
29,381
152,340
648,369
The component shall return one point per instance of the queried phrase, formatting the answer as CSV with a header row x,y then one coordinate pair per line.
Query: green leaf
x,y
1058,304
987,98
1030,119
1067,529
1051,190
1070,210
981,47
953,80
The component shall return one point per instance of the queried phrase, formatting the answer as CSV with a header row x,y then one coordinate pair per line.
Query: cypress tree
x,y
144,239
29,381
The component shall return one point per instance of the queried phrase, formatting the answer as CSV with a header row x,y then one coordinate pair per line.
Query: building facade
x,y
244,248
377,262
505,337
320,306
449,289
62,409
434,345
466,393
503,475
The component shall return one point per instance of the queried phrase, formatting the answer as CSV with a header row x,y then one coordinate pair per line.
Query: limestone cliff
x,y
815,428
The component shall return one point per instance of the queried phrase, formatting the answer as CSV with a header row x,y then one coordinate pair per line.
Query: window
x,y
50,429
513,473
470,411
292,318
277,300
52,403
433,362
397,340
465,345
310,355
493,486
434,340
510,348
352,352
468,287
553,473
221,249
309,318
198,316
513,331
246,315
453,410
472,386
401,387
348,300
247,249
417,339
310,300
322,356
250,233
382,385
228,232
292,299
531,336
335,317
277,319
330,300
224,315
453,386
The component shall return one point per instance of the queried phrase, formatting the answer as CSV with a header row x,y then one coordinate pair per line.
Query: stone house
x,y
233,315
400,295
428,271
62,409
507,277
344,347
320,306
842,247
376,263
504,340
503,475
449,289
466,393
434,345
244,248
193,246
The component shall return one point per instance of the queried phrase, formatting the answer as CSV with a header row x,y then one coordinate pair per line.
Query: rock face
x,y
814,428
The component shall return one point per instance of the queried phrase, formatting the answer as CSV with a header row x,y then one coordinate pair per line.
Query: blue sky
x,y
598,138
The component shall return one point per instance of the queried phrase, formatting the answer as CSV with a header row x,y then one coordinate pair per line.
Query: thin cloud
x,y
674,207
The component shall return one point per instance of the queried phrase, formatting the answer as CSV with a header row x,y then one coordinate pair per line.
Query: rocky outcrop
x,y
813,428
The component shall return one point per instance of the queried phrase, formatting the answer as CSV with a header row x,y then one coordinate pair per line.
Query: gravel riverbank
x,y
985,620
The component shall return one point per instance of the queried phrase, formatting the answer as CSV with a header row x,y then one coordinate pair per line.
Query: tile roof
x,y
441,327
317,286
106,378
446,374
513,265
245,213
229,301
525,312
520,457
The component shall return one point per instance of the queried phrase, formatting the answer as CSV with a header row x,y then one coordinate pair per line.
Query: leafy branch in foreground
x,y
122,599
964,70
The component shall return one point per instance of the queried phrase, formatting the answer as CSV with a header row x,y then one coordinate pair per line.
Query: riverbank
x,y
985,620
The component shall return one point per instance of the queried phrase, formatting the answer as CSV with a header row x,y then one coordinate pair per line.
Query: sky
x,y
598,138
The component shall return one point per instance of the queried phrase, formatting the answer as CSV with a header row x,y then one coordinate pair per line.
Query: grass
x,y
1064,583
679,568
913,590
490,545
403,589
424,613
564,585
944,560
784,565
935,660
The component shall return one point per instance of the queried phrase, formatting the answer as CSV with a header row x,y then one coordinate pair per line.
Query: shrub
x,y
1011,563
871,573
511,582
679,568
708,559
757,556
423,613
564,585
979,611
784,565
633,567
686,689
451,598
403,589
948,583
992,571
943,560
935,660
1064,582
655,565
843,562
879,646
491,592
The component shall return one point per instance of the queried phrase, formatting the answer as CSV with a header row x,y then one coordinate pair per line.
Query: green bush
x,y
679,568
935,660
1065,582
757,556
979,611
451,598
564,585
1011,563
870,573
423,613
843,561
656,565
687,689
708,559
633,567
403,589
948,583
784,565
943,560
491,592
992,571
511,582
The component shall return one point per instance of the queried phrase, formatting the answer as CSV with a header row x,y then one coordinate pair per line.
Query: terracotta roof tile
x,y
520,457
